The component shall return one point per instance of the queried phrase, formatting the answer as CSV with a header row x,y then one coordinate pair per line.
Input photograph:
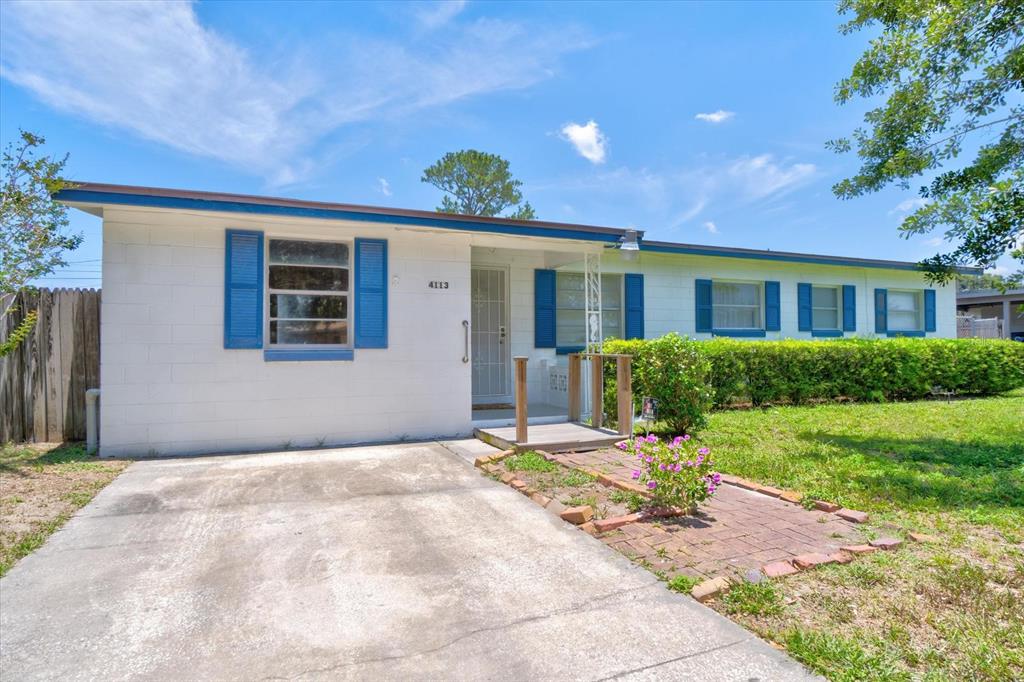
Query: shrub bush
x,y
760,372
673,371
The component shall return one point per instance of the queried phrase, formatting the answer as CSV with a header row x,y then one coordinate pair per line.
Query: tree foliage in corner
x,y
477,183
32,225
952,72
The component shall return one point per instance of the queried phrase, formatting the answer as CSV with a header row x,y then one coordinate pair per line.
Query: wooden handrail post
x,y
624,391
574,387
596,390
520,385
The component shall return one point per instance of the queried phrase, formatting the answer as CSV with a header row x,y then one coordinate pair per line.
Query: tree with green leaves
x,y
33,227
477,183
952,75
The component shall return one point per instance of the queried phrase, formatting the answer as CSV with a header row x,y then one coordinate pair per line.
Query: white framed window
x,y
737,305
905,310
308,297
825,307
570,305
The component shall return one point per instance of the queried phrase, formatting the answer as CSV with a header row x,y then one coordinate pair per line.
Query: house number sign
x,y
437,284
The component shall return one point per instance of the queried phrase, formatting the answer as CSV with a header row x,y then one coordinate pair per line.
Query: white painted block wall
x,y
169,386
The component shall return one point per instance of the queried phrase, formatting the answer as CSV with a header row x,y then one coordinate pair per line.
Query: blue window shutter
x,y
772,309
243,289
703,307
849,308
371,300
881,311
634,285
929,310
544,308
804,312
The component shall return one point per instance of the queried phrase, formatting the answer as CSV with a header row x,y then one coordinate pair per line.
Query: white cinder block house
x,y
236,322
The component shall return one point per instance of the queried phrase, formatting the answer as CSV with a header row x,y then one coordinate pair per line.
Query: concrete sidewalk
x,y
384,562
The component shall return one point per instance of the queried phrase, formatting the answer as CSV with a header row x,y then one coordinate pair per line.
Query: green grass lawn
x,y
964,458
951,609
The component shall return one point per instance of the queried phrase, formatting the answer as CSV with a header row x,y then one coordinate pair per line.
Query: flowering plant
x,y
675,472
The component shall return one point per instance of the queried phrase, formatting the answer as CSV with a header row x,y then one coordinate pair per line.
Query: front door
x,y
491,376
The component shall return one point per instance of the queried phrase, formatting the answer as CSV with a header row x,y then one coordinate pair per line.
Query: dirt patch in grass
x,y
41,486
948,610
571,487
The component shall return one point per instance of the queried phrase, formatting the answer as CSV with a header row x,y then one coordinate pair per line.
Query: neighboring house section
x,y
1006,308
240,323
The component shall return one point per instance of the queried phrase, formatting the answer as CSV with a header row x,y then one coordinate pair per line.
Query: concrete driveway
x,y
384,562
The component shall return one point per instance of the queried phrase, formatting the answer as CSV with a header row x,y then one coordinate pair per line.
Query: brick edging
x,y
794,497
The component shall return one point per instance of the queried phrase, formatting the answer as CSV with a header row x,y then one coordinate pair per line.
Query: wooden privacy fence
x,y
43,382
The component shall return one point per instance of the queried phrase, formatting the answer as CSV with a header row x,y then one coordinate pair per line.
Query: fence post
x,y
624,391
520,387
597,390
574,387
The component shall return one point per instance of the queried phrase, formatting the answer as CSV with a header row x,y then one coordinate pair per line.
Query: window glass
x,y
736,305
308,286
825,307
570,301
292,252
905,310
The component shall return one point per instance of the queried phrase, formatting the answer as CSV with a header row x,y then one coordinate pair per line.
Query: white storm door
x,y
489,325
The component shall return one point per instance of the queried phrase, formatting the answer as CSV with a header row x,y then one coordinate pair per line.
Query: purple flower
x,y
648,459
703,451
686,437
622,445
677,441
689,463
651,485
636,474
661,467
651,438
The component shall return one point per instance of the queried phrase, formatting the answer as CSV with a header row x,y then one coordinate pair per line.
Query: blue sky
x,y
697,122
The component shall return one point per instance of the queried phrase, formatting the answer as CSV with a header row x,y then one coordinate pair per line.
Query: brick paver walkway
x,y
736,531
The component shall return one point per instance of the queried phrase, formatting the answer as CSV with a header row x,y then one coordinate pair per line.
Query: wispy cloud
x,y
588,140
909,205
384,186
719,116
155,70
433,15
677,198
761,176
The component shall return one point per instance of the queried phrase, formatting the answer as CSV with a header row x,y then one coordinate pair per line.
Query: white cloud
x,y
760,176
909,205
934,241
719,116
436,14
588,140
1000,270
154,70
711,227
384,186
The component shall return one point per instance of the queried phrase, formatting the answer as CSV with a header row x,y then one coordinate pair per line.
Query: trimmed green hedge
x,y
762,372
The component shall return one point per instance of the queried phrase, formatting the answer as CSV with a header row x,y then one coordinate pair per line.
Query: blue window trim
x,y
304,355
827,333
740,333
565,350
911,333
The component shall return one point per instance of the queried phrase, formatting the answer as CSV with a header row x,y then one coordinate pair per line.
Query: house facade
x,y
233,323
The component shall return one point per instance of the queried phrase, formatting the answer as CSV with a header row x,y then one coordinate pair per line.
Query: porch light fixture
x,y
628,243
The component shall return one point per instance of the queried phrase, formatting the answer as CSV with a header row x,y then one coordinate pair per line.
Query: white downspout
x,y
92,431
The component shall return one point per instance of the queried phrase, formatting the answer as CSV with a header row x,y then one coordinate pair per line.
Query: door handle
x,y
465,330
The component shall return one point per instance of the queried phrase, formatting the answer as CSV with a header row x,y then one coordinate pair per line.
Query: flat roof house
x,y
234,322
